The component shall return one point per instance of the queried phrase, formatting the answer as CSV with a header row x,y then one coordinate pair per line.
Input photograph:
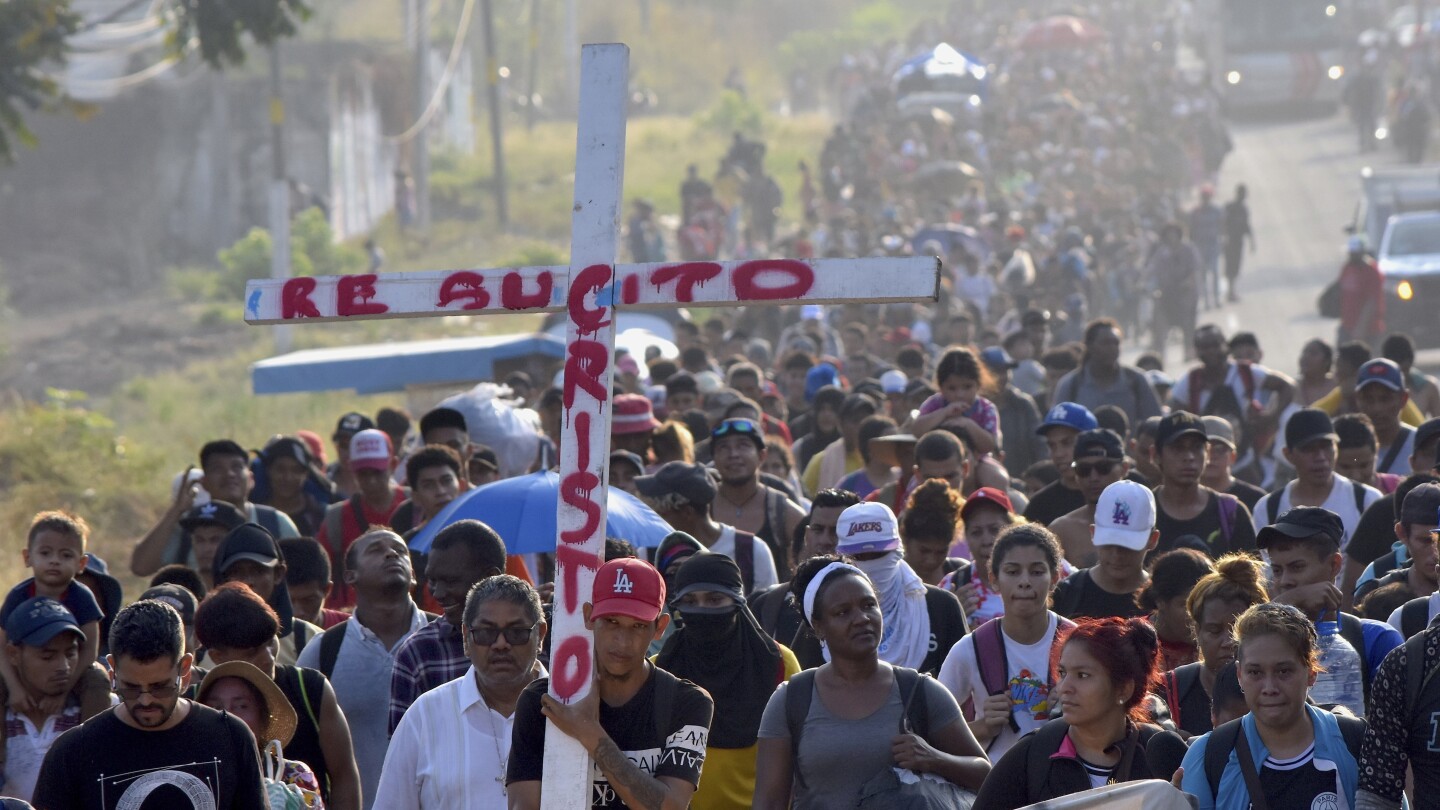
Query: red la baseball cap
x,y
628,587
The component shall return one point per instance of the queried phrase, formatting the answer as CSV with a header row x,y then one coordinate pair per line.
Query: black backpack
x,y
1414,617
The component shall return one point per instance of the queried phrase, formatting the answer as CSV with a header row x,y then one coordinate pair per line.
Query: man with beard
x,y
738,449
154,749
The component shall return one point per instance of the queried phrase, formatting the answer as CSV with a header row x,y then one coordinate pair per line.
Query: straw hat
x,y
281,715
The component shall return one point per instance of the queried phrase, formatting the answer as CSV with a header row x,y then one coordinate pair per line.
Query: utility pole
x,y
421,143
532,71
279,191
492,92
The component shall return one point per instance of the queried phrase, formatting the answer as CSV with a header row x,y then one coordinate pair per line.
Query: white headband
x,y
814,587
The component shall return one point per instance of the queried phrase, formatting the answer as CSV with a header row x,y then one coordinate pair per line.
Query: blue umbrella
x,y
522,511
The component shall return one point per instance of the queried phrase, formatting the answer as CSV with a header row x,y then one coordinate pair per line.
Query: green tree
x,y
32,35
220,25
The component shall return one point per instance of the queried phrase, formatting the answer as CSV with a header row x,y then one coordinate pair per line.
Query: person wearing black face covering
x,y
721,648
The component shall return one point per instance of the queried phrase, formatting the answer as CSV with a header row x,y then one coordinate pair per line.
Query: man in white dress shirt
x,y
450,750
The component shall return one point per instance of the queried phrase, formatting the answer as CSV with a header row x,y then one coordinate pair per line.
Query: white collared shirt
x,y
362,688
448,753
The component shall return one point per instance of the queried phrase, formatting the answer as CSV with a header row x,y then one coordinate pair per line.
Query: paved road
x,y
1303,176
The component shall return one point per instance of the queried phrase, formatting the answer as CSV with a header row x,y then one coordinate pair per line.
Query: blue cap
x,y
1382,371
996,358
35,621
1069,414
819,376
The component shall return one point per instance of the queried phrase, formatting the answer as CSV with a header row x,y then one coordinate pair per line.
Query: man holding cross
x,y
587,291
645,729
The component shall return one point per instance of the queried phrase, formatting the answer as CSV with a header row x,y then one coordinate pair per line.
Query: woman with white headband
x,y
922,622
827,731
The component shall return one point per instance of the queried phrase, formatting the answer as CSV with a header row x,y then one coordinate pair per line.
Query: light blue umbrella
x,y
522,511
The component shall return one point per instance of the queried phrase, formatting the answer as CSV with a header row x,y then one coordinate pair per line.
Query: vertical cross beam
x,y
585,444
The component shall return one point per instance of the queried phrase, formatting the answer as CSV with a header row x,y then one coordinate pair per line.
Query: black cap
x,y
690,481
248,541
1421,505
1302,522
352,423
176,596
485,457
1177,424
1307,425
1428,431
632,458
217,513
1099,443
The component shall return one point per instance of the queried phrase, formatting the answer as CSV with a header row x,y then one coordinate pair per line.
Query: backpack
x,y
1414,617
1272,503
1224,738
332,638
995,667
1177,683
1420,685
335,525
799,694
1046,741
745,558
1395,447
1228,505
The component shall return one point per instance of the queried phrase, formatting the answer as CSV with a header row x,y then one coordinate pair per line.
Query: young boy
x,y
1024,567
308,575
1123,532
55,551
1303,547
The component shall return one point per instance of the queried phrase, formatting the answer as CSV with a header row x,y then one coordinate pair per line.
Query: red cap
x,y
985,495
628,587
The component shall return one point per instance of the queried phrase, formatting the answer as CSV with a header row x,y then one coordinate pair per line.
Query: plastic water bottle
x,y
1340,684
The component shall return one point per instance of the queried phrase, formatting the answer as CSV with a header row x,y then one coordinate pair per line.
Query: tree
x,y
219,26
33,33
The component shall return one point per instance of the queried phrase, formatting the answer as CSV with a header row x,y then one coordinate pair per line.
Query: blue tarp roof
x,y
386,367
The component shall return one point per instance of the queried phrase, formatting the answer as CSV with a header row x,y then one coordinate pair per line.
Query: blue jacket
x,y
1329,745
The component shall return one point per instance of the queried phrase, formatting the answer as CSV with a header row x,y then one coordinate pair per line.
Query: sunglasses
x,y
1085,468
735,427
485,636
130,694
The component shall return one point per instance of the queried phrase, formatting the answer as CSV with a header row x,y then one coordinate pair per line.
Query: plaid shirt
x,y
432,655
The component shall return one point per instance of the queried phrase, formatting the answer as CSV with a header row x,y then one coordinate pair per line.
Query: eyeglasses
x,y
731,427
130,694
485,636
1085,468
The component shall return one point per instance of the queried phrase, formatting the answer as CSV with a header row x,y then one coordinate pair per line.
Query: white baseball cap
x,y
894,381
1125,516
867,527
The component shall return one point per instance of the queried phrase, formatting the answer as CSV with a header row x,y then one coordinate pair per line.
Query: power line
x,y
450,63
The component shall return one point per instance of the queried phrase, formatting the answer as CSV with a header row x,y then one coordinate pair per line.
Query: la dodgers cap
x,y
1125,516
628,587
1068,414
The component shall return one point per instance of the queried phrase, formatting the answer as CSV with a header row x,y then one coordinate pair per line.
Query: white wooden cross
x,y
588,290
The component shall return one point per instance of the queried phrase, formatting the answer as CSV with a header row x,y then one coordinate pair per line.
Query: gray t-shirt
x,y
838,756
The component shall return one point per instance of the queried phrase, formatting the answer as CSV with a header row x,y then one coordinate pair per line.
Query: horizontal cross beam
x,y
545,289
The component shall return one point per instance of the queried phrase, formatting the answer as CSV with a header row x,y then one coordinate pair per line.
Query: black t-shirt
x,y
1375,532
1090,600
208,760
1296,784
1054,500
679,753
1208,527
1248,493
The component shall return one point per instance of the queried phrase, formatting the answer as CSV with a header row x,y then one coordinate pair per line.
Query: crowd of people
x,y
952,555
